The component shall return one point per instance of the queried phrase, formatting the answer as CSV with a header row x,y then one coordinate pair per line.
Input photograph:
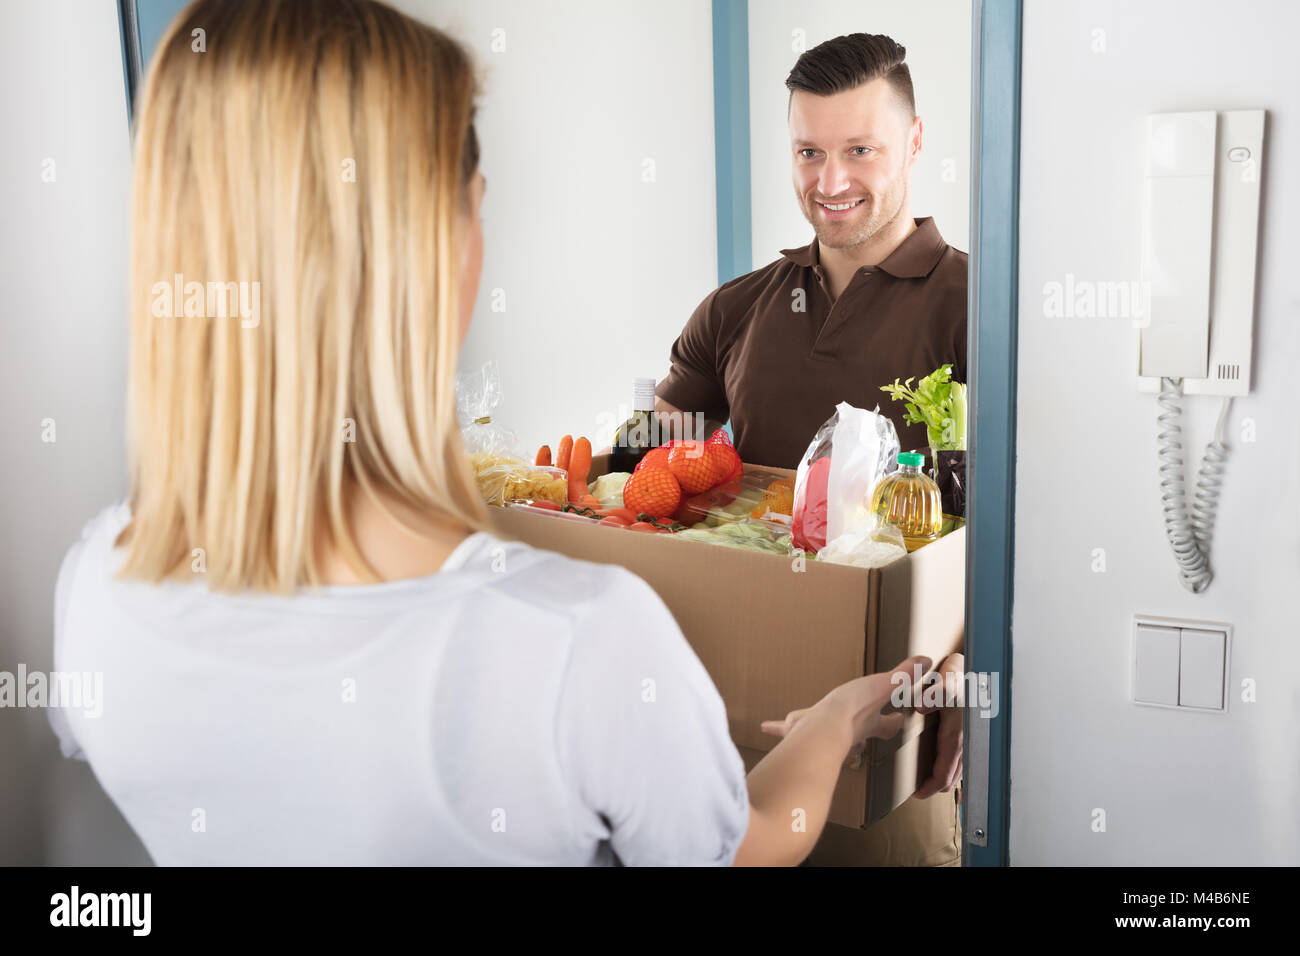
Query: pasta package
x,y
502,478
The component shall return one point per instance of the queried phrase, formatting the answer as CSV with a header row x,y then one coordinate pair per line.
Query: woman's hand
x,y
860,701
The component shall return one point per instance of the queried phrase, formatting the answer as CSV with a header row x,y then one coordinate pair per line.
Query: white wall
x,y
937,37
63,289
1177,788
600,269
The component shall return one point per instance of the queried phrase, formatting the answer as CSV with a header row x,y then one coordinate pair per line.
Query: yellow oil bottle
x,y
910,500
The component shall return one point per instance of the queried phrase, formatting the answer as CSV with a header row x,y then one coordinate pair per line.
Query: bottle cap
x,y
911,458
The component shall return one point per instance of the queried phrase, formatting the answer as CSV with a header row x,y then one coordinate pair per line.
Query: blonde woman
x,y
312,648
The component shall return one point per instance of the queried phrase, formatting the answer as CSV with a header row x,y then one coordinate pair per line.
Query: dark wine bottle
x,y
636,435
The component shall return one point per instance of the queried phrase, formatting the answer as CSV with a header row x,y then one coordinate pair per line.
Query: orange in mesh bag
x,y
720,437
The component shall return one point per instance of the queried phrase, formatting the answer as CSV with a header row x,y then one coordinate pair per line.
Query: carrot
x,y
579,465
543,455
566,449
589,499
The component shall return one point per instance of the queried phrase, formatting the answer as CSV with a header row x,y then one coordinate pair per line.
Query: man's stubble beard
x,y
875,224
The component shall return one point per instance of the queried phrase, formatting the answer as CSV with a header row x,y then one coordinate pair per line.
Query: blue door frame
x,y
731,137
141,24
991,460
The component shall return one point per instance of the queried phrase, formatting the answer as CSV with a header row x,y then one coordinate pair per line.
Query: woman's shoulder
x,y
484,565
98,536
614,615
108,522
543,577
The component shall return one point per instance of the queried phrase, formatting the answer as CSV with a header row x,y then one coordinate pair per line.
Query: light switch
x,y
1155,665
1201,664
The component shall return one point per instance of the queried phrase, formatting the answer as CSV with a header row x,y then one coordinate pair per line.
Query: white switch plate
x,y
1180,663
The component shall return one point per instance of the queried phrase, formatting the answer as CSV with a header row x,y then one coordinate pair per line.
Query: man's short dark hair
x,y
849,61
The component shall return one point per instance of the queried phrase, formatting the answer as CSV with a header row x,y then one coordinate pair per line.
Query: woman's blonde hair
x,y
320,153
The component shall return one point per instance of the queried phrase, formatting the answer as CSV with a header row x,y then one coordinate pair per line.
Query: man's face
x,y
856,146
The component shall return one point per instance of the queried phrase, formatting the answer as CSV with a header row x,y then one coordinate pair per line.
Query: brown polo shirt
x,y
771,350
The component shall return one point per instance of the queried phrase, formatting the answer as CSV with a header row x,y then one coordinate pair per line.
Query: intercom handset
x,y
1200,215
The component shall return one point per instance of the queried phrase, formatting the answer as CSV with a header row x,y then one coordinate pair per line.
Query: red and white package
x,y
850,453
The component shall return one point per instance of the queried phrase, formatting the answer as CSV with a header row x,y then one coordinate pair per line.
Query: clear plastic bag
x,y
850,453
502,480
477,394
503,475
757,493
867,543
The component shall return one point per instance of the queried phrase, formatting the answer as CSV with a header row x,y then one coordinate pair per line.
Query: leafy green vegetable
x,y
937,403
608,488
748,533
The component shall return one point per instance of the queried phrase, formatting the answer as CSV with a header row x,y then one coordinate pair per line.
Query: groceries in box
x,y
854,499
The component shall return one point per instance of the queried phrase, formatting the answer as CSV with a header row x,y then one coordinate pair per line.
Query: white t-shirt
x,y
517,707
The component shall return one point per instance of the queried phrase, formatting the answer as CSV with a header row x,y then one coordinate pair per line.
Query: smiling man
x,y
876,296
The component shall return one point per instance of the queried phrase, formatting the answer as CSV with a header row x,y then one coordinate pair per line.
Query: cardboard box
x,y
775,638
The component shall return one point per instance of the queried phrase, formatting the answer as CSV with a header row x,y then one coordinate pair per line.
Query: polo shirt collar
x,y
915,256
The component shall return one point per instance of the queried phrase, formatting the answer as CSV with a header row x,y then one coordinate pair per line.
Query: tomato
x,y
612,522
808,528
543,503
627,514
643,526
